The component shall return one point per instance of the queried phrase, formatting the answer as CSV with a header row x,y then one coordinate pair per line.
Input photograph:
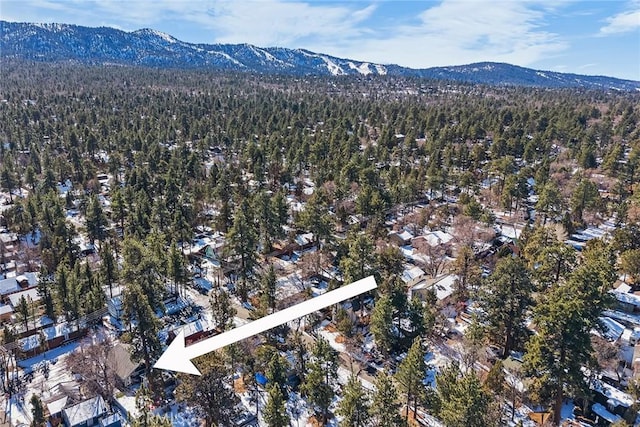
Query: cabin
x,y
412,275
401,238
85,414
443,286
193,331
125,369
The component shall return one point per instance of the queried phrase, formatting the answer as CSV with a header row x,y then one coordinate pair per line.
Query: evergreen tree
x,y
550,201
315,217
145,344
222,310
506,298
411,373
23,312
585,197
210,394
275,411
176,268
422,315
385,409
268,289
37,412
44,292
468,271
96,221
495,380
108,268
242,240
382,322
354,406
360,260
565,317
461,399
8,179
322,372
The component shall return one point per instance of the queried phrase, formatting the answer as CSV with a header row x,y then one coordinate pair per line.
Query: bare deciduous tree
x,y
92,361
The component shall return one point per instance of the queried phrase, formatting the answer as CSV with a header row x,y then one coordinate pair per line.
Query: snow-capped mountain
x,y
146,47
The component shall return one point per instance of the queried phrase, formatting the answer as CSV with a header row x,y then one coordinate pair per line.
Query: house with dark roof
x,y
119,359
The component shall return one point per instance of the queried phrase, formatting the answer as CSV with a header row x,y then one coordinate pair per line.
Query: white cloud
x,y
458,32
281,23
623,22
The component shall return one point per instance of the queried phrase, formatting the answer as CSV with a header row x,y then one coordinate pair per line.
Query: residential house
x,y
193,331
6,311
412,275
119,358
11,285
443,286
436,238
62,395
30,295
615,401
85,414
401,238
626,300
113,420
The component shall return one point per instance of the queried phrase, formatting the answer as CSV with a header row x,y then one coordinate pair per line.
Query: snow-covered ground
x,y
18,408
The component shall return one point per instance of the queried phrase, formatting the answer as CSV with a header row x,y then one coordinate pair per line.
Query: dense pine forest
x,y
527,199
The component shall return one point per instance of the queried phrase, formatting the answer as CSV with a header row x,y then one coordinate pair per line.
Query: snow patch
x,y
226,56
381,69
362,68
333,67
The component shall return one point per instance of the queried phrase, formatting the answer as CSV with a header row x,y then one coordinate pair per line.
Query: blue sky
x,y
585,37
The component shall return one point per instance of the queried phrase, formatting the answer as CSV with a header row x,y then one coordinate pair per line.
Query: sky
x,y
583,37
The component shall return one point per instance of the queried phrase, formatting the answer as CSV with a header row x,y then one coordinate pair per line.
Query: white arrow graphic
x,y
177,357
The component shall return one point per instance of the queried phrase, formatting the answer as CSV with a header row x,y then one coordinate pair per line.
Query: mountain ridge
x,y
148,47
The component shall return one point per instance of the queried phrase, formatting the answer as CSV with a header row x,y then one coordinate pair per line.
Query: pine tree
x,y
23,311
242,240
44,292
145,344
222,309
96,221
8,179
210,394
382,322
322,372
354,406
550,201
37,412
495,380
315,217
410,375
565,317
360,260
468,271
385,409
176,268
108,267
268,289
461,399
275,411
506,298
422,315
585,197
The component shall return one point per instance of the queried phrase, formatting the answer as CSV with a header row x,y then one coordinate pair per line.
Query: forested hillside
x,y
147,200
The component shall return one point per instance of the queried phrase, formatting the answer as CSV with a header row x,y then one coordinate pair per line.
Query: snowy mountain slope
x,y
147,47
